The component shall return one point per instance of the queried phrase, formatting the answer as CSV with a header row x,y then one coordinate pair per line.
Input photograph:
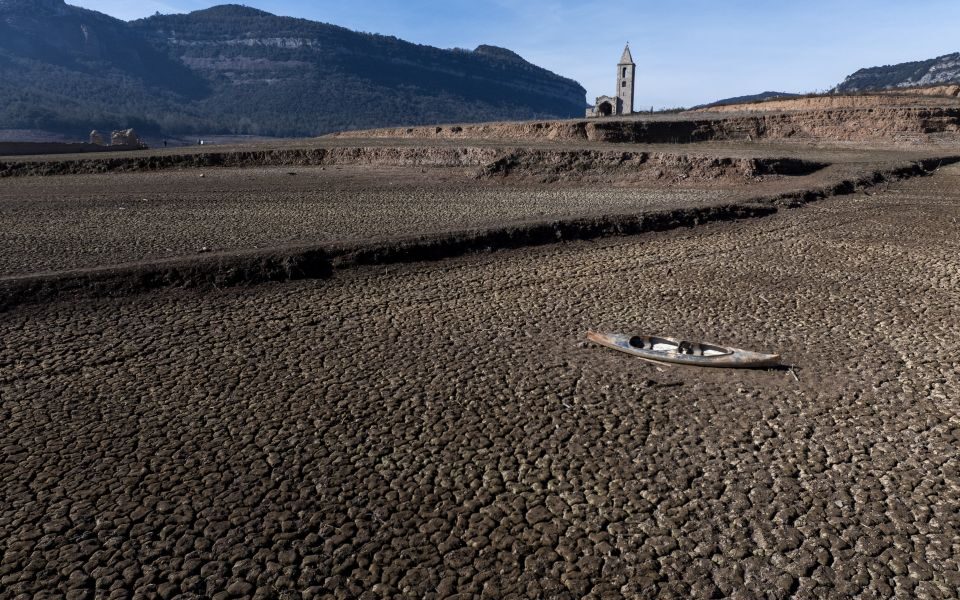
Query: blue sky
x,y
688,51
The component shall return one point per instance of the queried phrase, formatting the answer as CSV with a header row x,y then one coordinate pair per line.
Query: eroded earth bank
x,y
433,429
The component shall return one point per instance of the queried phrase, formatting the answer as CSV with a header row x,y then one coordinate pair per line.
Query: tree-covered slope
x,y
66,68
233,69
935,71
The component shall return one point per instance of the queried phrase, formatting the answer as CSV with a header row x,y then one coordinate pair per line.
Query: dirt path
x,y
434,429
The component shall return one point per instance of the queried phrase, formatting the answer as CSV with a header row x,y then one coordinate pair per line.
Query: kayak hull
x,y
674,351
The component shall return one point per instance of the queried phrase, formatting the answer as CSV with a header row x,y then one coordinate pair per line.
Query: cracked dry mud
x,y
68,222
57,223
432,430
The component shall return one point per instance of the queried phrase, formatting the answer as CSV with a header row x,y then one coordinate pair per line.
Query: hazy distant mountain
x,y
747,99
936,71
233,69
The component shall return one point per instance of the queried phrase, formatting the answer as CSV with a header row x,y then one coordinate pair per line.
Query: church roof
x,y
627,58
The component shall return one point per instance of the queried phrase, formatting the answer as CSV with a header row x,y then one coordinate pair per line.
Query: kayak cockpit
x,y
658,344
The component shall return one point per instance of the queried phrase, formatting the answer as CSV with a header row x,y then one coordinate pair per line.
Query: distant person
x,y
199,142
164,143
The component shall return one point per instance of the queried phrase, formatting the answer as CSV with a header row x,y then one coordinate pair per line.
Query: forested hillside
x,y
935,71
232,69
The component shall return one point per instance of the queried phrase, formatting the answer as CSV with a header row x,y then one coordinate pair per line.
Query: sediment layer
x,y
939,97
881,125
592,165
627,167
347,155
898,126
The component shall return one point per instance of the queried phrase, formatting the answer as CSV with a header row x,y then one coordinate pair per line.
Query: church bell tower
x,y
625,81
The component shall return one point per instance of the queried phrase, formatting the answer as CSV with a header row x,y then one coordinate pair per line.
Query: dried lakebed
x,y
118,233
70,222
436,429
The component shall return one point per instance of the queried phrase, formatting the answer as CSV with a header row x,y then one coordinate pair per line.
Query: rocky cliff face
x,y
937,71
875,126
233,69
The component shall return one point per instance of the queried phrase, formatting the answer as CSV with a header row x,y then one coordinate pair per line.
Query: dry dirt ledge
x,y
489,162
895,126
939,97
628,167
898,126
319,261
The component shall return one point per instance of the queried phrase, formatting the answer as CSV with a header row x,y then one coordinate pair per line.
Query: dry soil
x,y
58,223
436,429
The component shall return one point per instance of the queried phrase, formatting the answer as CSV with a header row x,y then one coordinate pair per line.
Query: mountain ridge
x,y
751,98
238,70
931,72
229,10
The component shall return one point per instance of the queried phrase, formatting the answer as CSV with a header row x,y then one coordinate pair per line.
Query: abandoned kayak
x,y
670,350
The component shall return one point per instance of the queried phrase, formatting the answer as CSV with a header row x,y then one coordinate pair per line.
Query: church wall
x,y
622,103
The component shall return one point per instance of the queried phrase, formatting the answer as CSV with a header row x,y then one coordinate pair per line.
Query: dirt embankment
x,y
921,98
936,90
384,156
880,125
32,148
632,167
542,165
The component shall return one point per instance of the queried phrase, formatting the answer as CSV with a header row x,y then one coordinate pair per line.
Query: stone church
x,y
622,103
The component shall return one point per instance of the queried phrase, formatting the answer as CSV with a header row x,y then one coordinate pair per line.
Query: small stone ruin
x,y
97,138
126,137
